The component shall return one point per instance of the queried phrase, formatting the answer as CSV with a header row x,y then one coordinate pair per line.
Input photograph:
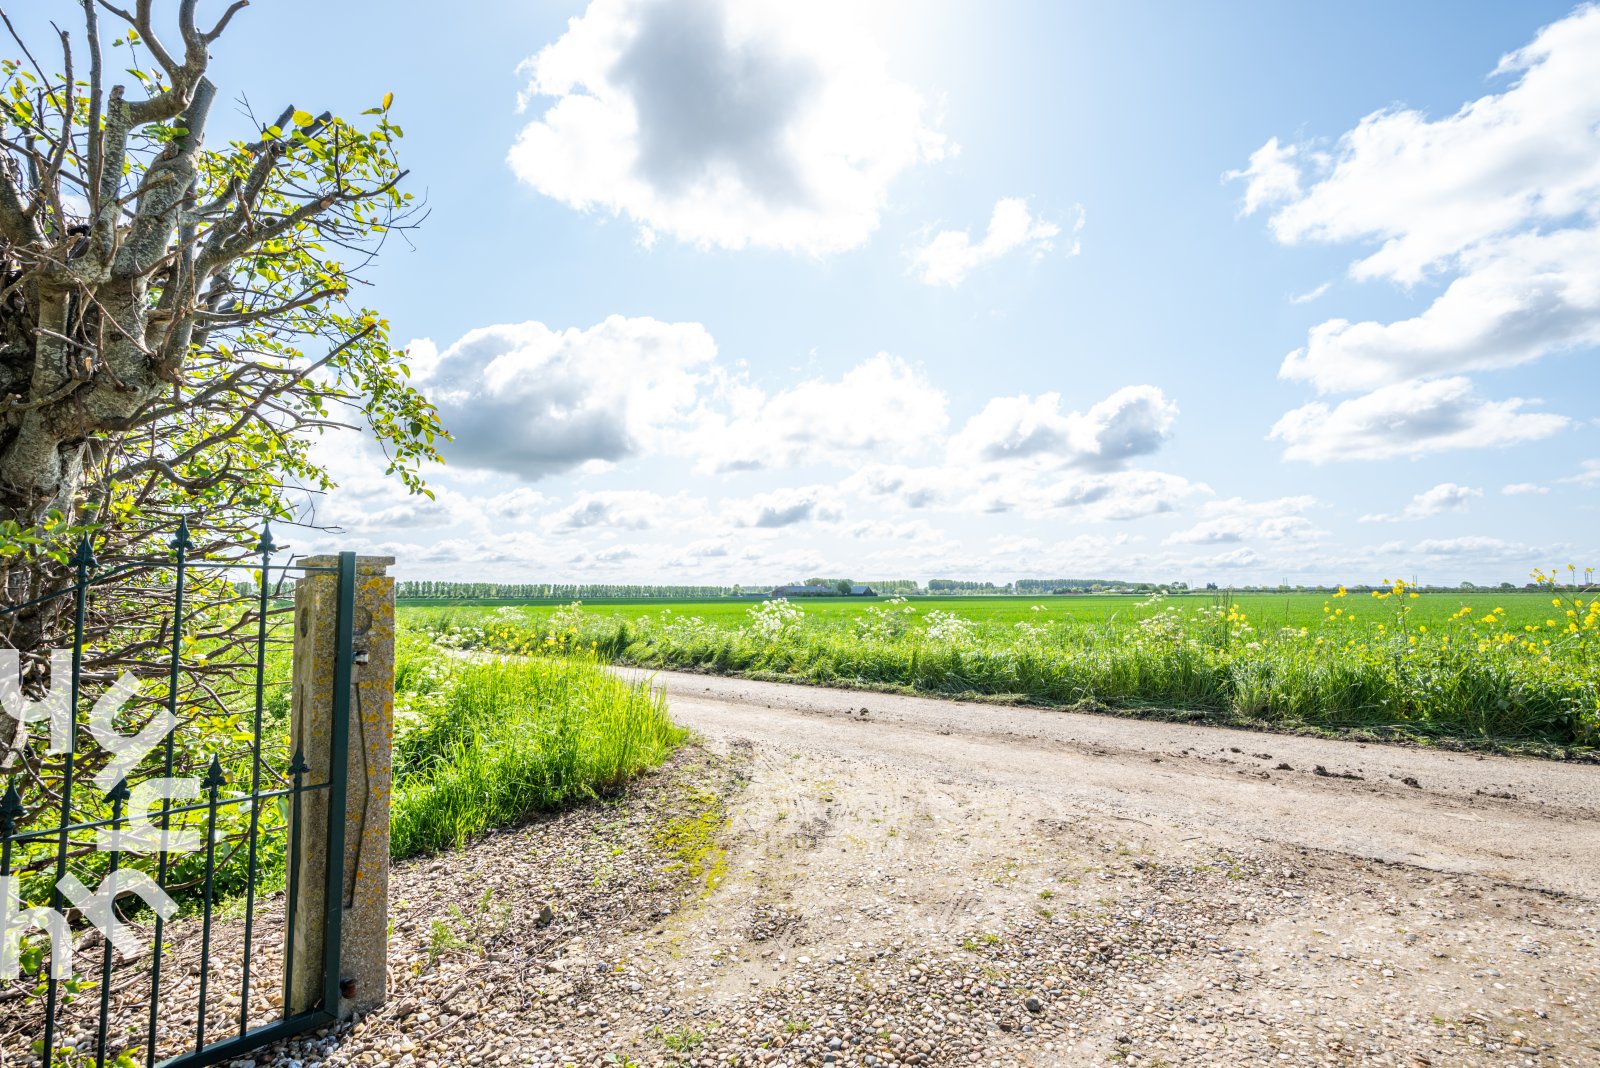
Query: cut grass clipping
x,y
482,744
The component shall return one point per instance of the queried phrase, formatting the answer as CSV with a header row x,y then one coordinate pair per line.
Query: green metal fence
x,y
175,880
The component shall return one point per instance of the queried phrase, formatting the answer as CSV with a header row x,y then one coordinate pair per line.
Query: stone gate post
x,y
364,927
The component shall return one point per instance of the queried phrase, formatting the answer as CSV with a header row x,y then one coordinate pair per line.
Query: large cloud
x,y
723,123
1502,197
1025,454
1409,419
1514,302
532,401
1429,188
639,397
883,407
1134,421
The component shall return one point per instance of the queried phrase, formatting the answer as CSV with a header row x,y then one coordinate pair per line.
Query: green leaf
x,y
303,118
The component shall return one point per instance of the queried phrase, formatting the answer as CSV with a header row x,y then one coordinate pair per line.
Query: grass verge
x,y
482,744
1475,679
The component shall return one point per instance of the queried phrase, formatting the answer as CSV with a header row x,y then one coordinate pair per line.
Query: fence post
x,y
358,913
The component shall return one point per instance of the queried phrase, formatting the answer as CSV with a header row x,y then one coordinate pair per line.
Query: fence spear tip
x,y
266,545
180,540
11,808
214,777
83,556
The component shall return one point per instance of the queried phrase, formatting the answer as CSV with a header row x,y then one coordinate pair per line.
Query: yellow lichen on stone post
x,y
364,932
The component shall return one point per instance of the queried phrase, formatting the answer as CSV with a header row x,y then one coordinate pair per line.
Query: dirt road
x,y
1243,897
1516,821
835,878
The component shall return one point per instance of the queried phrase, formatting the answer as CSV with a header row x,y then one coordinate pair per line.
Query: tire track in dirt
x,y
1520,821
920,882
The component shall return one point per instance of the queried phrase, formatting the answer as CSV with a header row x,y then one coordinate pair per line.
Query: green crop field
x,y
1285,609
1485,665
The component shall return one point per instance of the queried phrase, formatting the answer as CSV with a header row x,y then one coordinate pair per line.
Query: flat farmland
x,y
1522,607
1495,667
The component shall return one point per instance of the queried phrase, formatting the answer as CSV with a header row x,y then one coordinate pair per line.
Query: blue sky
x,y
706,294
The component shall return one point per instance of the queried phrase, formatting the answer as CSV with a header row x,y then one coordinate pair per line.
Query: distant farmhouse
x,y
817,590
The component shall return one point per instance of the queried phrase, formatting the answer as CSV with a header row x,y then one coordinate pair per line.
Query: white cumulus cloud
x,y
723,123
531,401
1428,188
1272,176
1238,520
1026,455
1134,421
1410,419
786,507
950,255
1521,299
616,510
1445,497
882,407
1500,200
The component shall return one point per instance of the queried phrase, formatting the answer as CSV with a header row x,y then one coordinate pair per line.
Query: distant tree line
x,y
429,590
890,587
1084,585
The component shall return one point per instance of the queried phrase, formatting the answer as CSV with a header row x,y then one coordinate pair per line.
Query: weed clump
x,y
692,839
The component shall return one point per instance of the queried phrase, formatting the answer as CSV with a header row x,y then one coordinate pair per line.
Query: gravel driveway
x,y
918,882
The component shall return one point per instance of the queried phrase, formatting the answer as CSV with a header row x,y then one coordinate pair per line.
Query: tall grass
x,y
1474,676
482,744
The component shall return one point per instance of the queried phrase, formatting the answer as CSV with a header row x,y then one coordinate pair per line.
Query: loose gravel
x,y
862,916
773,896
